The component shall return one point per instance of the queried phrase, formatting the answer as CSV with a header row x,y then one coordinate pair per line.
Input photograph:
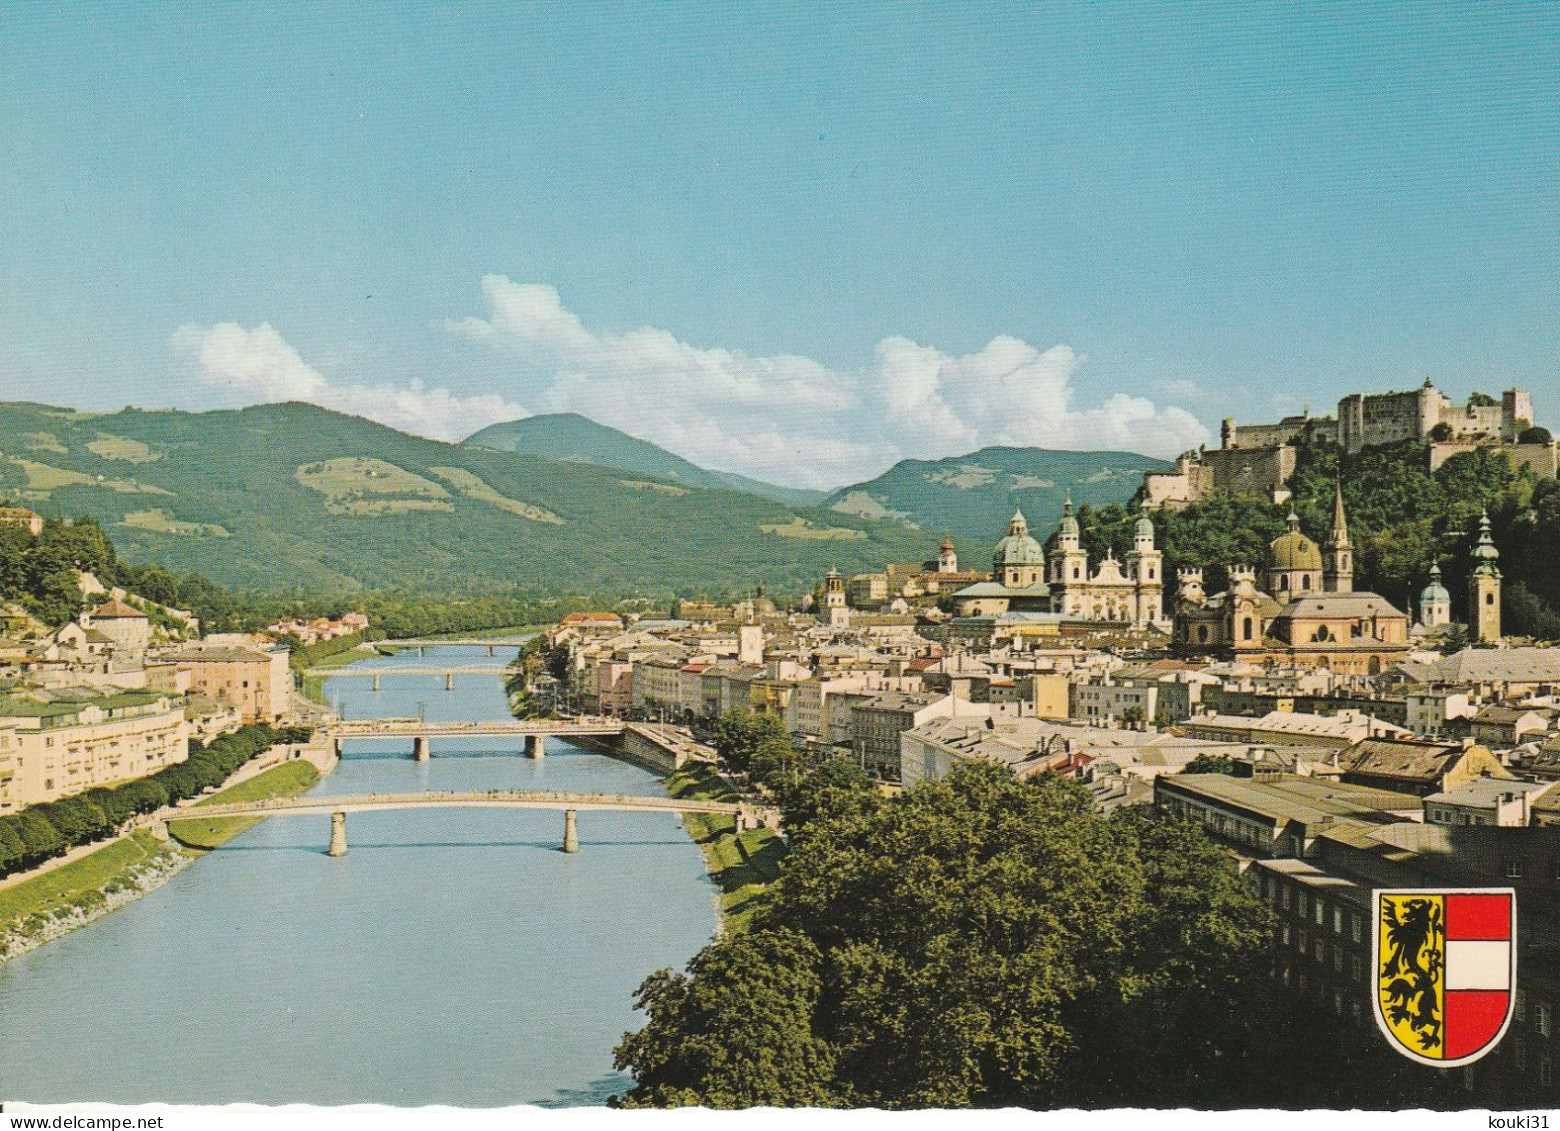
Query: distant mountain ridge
x,y
973,496
579,439
296,498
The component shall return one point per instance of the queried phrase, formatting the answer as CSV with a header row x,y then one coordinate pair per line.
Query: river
x,y
452,957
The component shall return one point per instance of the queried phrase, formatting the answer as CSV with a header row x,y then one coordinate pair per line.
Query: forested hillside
x,y
1401,518
296,499
972,497
570,436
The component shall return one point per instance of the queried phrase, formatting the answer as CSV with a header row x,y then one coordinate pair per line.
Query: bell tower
x,y
1484,587
1146,568
1069,562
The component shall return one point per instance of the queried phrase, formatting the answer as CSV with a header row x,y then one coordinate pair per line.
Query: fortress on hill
x,y
1259,459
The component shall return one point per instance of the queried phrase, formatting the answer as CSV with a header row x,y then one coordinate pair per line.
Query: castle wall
x,y
1250,471
1290,430
1189,483
1542,460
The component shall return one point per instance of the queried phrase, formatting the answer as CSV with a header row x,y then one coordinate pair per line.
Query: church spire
x,y
1338,576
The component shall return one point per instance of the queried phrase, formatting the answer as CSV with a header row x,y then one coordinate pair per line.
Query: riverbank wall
x,y
647,748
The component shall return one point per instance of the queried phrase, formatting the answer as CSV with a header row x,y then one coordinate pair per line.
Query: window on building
x,y
1302,942
1321,914
1546,1071
1541,1019
1321,949
1356,969
1337,920
1513,869
1519,1007
1285,933
1303,902
1245,629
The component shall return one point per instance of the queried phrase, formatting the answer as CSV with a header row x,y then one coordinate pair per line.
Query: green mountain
x,y
292,498
579,439
972,497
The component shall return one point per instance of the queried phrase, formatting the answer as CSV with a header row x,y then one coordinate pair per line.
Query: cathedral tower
x,y
1145,567
1069,562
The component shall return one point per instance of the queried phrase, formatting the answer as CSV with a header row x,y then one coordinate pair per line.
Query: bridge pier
x,y
490,650
376,683
449,681
338,835
420,748
571,832
335,747
535,746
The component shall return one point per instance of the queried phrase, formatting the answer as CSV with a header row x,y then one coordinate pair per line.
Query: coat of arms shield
x,y
1445,970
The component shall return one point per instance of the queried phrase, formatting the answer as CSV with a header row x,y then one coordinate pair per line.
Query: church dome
x,y
1018,549
1144,527
1294,551
1435,591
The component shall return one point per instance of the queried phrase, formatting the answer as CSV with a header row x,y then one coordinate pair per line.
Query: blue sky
x,y
799,242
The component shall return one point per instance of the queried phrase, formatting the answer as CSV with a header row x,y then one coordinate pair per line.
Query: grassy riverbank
x,y
81,883
743,865
287,780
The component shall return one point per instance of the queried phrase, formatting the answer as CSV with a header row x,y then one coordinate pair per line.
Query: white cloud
x,y
259,365
783,417
792,419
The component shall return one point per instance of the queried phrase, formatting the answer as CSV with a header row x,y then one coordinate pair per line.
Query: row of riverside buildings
x,y
119,692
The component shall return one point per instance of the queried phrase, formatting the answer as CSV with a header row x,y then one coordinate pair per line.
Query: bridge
x,y
376,674
747,816
488,642
533,731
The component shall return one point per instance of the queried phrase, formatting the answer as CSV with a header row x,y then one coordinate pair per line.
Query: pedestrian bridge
x,y
533,731
376,674
337,808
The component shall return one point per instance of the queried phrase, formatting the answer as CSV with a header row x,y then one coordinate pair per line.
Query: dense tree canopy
x,y
973,941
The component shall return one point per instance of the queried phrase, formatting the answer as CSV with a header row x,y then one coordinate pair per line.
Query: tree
x,y
736,1031
971,939
1214,764
13,853
1535,435
739,735
837,789
39,838
1456,639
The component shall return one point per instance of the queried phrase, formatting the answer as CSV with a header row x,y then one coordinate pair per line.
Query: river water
x,y
452,957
